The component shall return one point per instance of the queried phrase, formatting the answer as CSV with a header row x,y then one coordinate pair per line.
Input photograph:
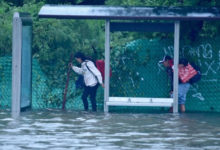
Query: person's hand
x,y
171,94
103,85
70,65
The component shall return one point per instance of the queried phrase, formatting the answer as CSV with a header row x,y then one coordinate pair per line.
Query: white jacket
x,y
90,78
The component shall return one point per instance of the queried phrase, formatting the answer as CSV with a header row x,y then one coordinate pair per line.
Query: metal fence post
x,y
176,62
107,63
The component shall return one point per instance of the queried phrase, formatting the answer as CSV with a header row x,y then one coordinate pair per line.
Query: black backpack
x,y
79,83
198,76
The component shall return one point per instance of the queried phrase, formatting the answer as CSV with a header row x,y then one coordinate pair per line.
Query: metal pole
x,y
16,65
107,63
176,62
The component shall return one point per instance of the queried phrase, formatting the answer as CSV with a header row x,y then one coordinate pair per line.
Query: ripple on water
x,y
76,130
91,121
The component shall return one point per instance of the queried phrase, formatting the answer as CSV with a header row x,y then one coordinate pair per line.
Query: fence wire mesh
x,y
135,73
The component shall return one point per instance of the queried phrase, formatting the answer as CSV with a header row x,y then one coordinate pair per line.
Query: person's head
x,y
183,63
80,57
166,61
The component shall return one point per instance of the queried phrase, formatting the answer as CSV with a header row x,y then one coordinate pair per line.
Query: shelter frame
x,y
21,63
175,14
140,27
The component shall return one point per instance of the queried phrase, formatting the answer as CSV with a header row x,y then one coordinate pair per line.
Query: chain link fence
x,y
135,73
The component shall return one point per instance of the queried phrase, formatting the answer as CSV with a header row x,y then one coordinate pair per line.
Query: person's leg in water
x,y
171,108
93,91
182,108
84,98
183,89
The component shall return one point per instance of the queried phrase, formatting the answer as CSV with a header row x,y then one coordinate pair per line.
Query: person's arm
x,y
95,71
77,69
170,74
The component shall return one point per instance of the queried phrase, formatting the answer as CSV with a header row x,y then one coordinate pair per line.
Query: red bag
x,y
100,64
186,73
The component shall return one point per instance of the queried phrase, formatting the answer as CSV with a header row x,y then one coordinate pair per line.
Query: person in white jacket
x,y
92,79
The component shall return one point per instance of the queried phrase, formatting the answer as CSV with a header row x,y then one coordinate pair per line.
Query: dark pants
x,y
92,92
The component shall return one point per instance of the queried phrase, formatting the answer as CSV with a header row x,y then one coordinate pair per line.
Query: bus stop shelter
x,y
109,13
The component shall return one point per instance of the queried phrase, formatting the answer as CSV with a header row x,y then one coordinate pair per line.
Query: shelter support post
x,y
16,65
21,63
176,62
107,63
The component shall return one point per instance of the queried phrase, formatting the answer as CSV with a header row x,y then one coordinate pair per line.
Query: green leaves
x,y
55,40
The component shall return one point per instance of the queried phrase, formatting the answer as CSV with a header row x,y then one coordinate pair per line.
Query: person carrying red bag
x,y
186,72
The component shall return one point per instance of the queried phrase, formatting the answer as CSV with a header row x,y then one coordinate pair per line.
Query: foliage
x,y
190,30
126,60
55,40
6,29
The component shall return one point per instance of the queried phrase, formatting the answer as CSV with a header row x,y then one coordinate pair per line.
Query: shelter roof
x,y
129,13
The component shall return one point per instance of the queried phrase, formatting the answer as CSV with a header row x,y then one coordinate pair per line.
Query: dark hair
x,y
183,61
80,55
167,58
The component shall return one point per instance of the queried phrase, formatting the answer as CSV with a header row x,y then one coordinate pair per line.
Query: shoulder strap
x,y
91,71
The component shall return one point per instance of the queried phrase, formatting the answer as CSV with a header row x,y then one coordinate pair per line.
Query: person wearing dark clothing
x,y
183,87
92,92
167,62
92,78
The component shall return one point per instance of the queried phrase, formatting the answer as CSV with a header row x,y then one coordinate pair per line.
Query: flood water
x,y
58,130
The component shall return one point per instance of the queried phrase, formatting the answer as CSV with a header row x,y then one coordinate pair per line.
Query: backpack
x,y
198,76
79,83
100,65
186,73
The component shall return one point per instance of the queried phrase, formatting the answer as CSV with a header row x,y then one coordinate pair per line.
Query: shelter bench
x,y
137,101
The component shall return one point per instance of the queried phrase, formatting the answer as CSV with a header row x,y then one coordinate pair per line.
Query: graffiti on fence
x,y
204,57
